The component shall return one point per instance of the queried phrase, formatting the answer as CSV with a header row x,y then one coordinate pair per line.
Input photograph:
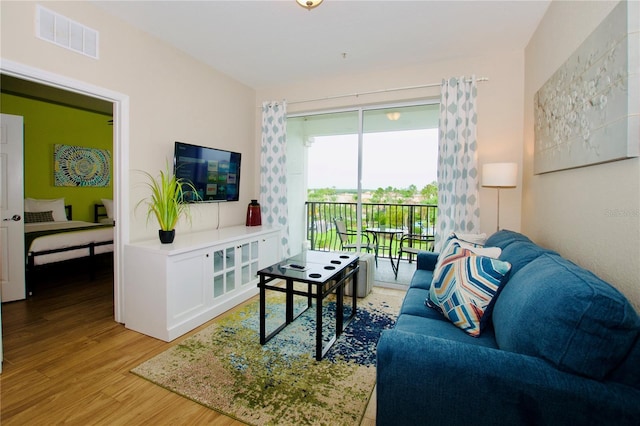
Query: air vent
x,y
66,33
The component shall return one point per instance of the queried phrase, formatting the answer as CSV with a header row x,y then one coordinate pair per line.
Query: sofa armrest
x,y
429,380
427,260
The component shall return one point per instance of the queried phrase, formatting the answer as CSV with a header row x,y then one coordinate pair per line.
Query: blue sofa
x,y
562,348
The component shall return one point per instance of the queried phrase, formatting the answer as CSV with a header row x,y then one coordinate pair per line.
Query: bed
x,y
51,234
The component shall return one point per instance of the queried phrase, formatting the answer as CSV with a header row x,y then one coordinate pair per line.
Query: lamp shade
x,y
500,175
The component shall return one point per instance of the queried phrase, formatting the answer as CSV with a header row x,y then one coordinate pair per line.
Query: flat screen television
x,y
215,173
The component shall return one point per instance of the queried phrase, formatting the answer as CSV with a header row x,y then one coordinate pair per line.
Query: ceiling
x,y
268,43
265,43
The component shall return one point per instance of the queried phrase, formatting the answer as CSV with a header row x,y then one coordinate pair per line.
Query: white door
x,y
12,261
12,284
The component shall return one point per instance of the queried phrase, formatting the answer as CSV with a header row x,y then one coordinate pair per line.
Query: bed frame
x,y
99,211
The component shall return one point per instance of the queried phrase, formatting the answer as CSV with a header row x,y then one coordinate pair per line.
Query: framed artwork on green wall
x,y
81,166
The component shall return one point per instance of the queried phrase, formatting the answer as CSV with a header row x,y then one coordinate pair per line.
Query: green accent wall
x,y
47,124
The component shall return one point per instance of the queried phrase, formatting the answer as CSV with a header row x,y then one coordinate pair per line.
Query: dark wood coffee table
x,y
324,273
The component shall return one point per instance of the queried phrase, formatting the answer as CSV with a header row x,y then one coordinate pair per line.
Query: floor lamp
x,y
499,175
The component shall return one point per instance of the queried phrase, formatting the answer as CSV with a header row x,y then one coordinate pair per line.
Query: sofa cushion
x,y
426,260
629,371
505,237
520,253
442,329
555,310
465,286
421,279
413,304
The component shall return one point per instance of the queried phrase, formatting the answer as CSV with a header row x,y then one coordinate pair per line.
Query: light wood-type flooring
x,y
67,361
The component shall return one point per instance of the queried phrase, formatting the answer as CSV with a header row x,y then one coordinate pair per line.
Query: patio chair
x,y
348,239
412,244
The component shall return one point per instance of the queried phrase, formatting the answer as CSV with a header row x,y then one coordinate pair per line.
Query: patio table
x,y
391,233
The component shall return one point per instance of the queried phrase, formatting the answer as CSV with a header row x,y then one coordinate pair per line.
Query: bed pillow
x,y
108,206
38,217
55,205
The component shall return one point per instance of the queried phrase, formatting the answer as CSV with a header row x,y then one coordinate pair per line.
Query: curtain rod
x,y
372,92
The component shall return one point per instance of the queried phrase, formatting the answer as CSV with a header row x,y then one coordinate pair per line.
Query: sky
x,y
396,159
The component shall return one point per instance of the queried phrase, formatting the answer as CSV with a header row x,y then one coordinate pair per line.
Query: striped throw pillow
x,y
465,286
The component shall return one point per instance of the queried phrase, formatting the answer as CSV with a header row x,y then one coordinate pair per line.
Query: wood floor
x,y
67,361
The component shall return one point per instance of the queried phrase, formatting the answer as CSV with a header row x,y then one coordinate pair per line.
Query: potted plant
x,y
165,202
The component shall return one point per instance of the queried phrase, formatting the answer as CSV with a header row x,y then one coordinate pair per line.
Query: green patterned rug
x,y
225,368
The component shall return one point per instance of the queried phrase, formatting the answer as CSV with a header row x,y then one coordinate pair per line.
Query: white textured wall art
x,y
588,112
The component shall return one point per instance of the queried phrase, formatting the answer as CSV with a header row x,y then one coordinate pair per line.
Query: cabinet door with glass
x,y
224,271
234,267
249,261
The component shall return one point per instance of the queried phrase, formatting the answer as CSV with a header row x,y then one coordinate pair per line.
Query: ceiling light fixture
x,y
309,4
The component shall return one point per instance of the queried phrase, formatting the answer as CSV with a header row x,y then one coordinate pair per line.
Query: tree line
x,y
389,195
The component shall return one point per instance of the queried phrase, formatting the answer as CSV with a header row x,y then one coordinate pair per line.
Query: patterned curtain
x,y
273,172
458,205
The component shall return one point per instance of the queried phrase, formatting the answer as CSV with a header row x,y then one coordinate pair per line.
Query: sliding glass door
x,y
322,162
360,169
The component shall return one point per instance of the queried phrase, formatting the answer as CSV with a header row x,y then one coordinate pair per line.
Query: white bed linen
x,y
68,239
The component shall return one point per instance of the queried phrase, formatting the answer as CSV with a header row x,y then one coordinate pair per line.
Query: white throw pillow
x,y
473,238
108,205
493,252
55,205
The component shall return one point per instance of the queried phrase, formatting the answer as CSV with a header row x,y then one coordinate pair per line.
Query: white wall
x,y
589,215
172,97
500,111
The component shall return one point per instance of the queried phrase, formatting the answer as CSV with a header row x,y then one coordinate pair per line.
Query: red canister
x,y
254,217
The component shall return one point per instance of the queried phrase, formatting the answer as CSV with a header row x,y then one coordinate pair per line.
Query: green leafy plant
x,y
165,201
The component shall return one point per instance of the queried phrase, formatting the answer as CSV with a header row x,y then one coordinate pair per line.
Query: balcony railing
x,y
411,218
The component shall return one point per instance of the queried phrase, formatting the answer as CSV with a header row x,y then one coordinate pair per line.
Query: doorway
x,y
120,110
55,121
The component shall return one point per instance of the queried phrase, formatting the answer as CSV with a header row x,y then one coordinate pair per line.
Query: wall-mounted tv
x,y
215,173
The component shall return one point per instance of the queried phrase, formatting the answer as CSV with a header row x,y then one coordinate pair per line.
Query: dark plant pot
x,y
166,237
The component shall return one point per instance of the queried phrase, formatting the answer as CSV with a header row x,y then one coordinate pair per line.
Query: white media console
x,y
171,289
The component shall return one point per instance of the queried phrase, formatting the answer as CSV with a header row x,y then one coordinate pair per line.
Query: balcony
x,y
416,219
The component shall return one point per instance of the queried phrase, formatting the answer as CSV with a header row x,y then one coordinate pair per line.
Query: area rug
x,y
225,368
